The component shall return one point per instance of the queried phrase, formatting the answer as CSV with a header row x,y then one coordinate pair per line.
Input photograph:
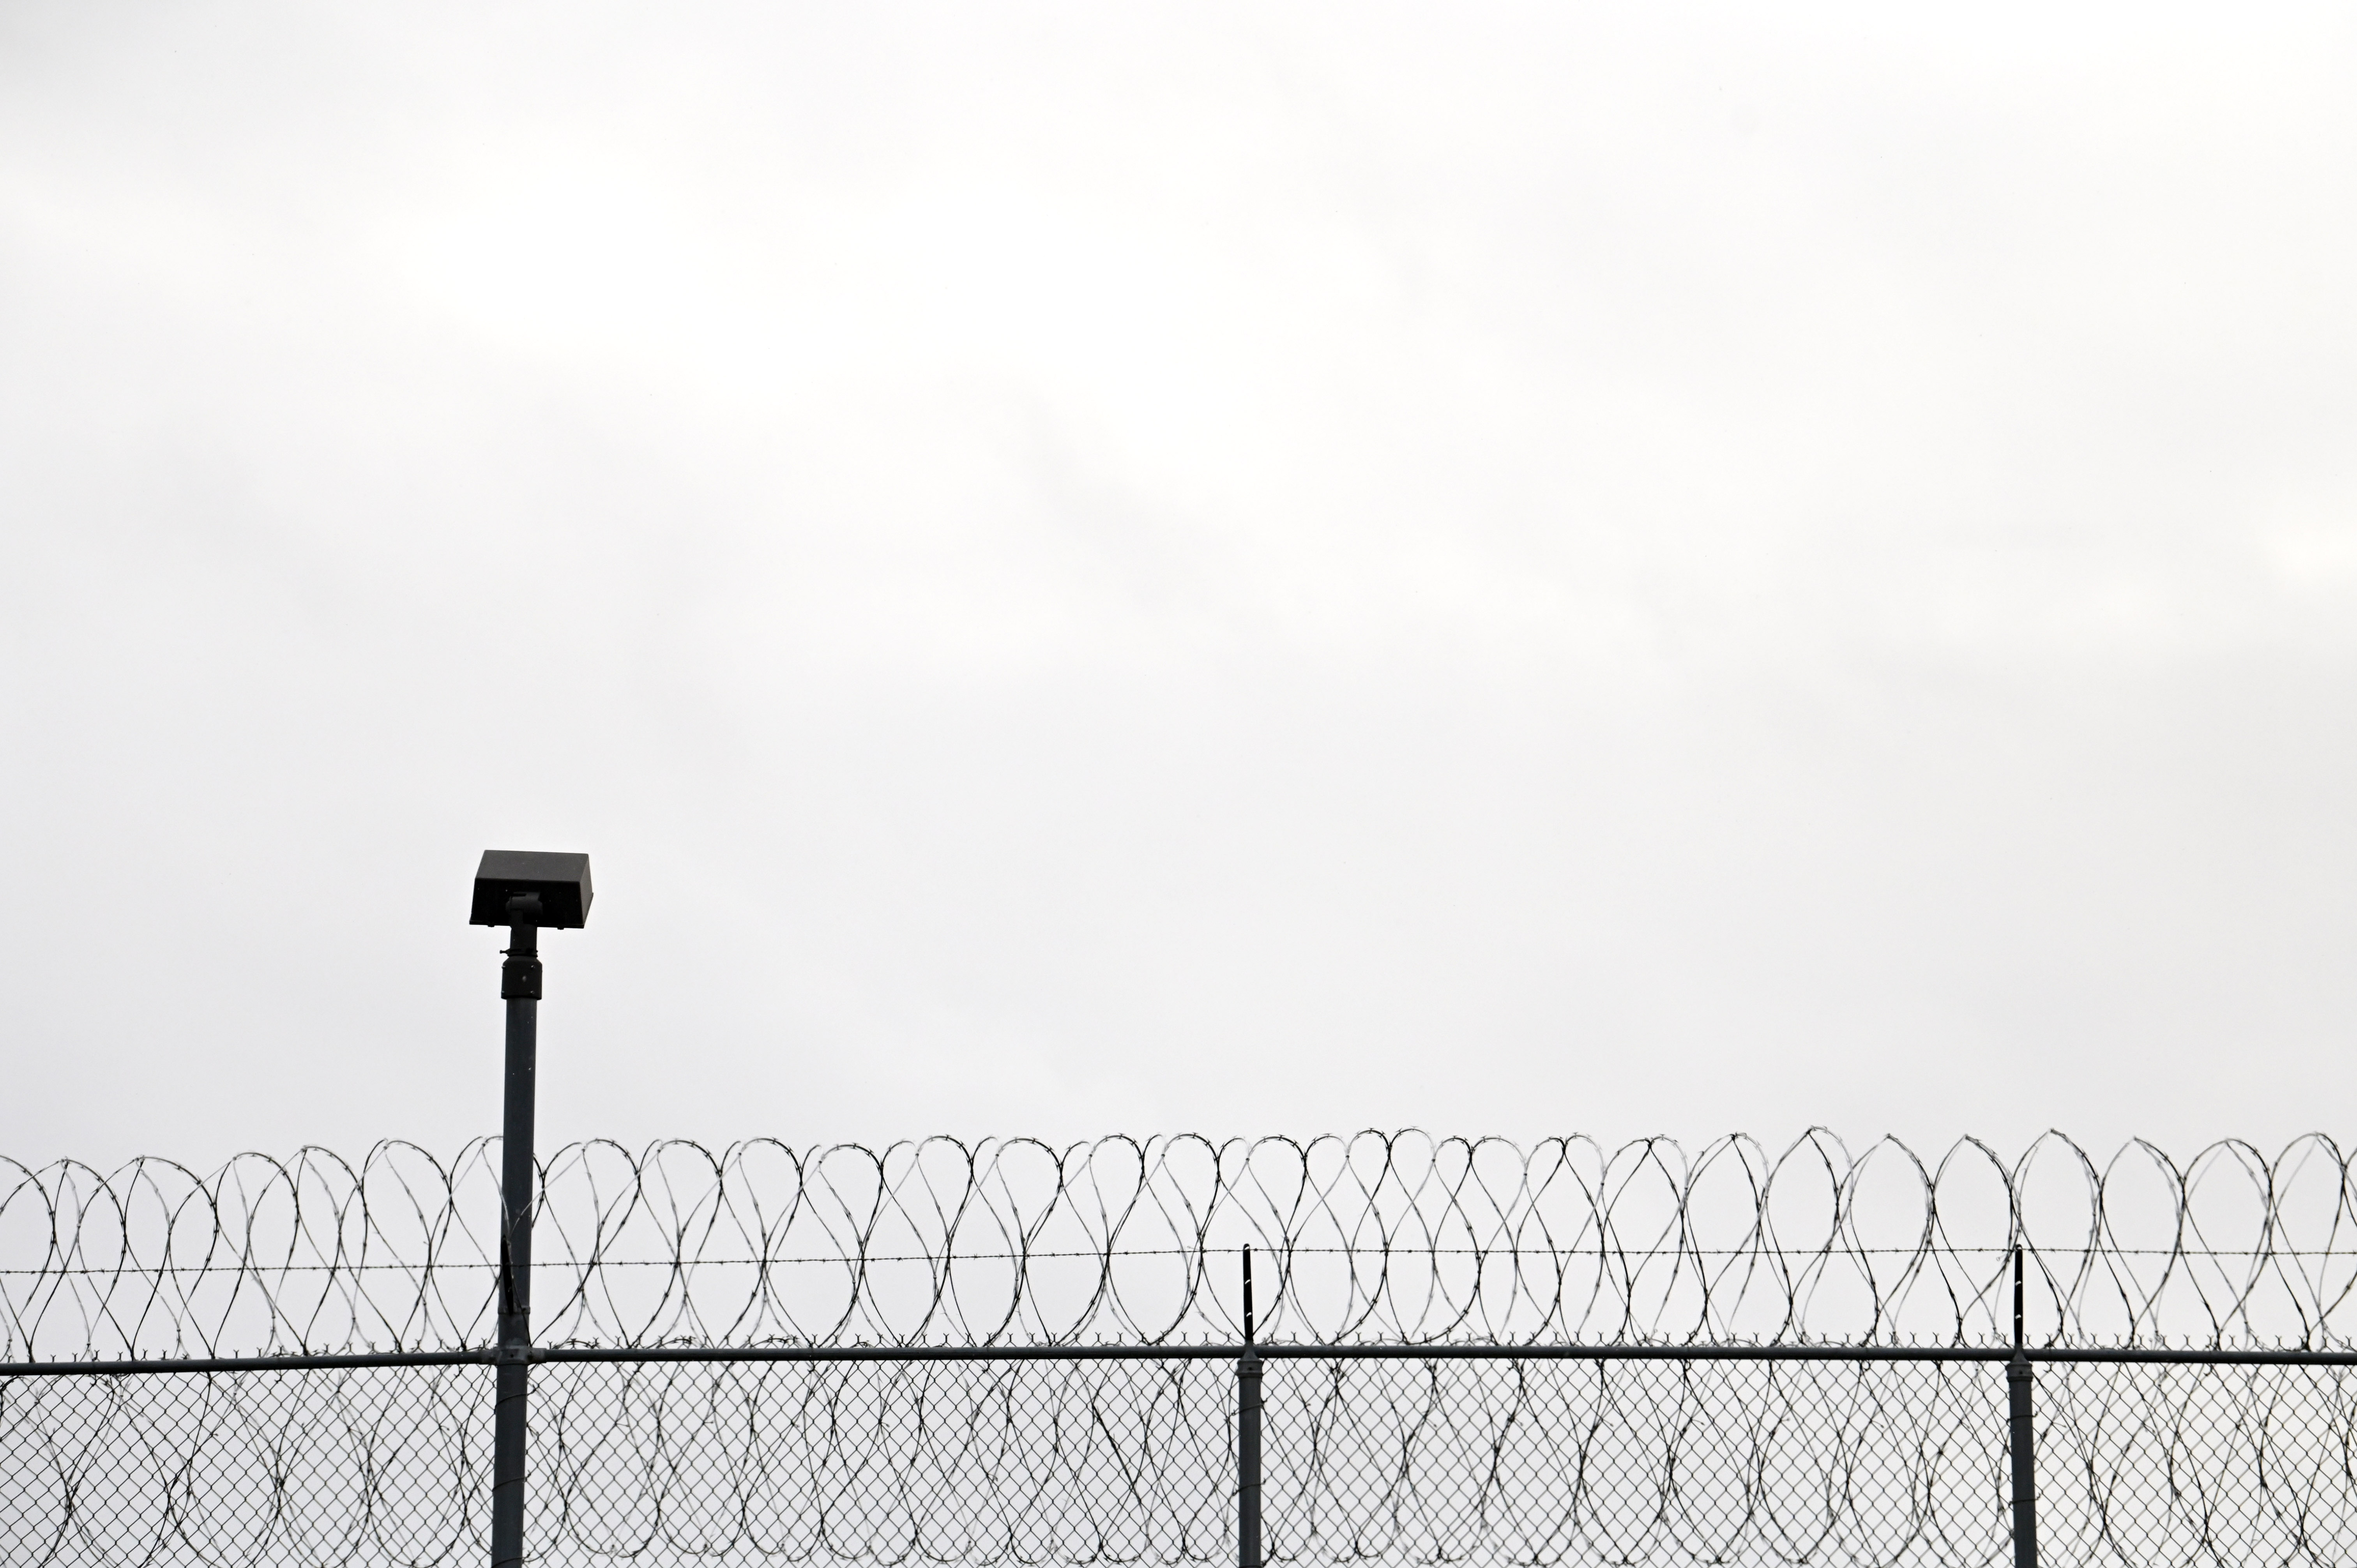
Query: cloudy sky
x,y
1270,567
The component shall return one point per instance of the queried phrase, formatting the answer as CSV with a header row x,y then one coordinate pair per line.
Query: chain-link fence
x,y
1461,1357
1378,1461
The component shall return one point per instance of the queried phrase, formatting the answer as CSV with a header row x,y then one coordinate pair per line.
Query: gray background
x,y
1255,567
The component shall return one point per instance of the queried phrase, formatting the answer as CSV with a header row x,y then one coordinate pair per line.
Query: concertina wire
x,y
1375,1240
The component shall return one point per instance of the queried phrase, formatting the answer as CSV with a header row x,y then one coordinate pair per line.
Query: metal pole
x,y
519,987
1248,1437
2023,1441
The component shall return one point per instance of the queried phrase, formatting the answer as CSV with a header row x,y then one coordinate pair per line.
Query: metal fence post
x,y
1248,1436
2023,1442
520,982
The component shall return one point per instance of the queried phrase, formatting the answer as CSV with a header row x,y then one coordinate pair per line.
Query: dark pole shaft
x,y
520,984
2023,1441
1248,1436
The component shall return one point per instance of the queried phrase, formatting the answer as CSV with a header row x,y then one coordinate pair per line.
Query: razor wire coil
x,y
1373,1239
1400,1240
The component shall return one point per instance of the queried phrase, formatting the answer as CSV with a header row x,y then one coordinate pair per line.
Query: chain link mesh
x,y
385,1466
1407,1462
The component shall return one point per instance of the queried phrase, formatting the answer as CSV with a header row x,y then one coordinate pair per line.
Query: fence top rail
x,y
658,1355
1374,1240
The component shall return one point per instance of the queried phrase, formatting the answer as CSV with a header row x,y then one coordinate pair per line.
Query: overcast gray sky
x,y
1265,567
